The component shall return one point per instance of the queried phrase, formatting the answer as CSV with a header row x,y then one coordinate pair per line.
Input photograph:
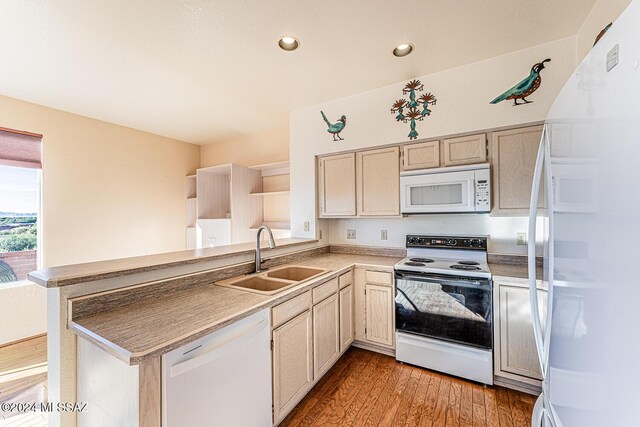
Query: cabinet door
x,y
337,185
518,353
513,159
465,150
379,182
326,335
292,364
379,300
421,156
346,318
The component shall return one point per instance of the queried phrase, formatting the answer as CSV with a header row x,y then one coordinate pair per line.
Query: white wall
x,y
603,12
463,95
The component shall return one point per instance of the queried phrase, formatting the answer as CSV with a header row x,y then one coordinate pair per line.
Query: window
x,y
19,204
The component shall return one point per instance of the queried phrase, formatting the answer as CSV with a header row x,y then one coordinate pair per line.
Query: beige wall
x,y
108,192
463,95
270,146
603,12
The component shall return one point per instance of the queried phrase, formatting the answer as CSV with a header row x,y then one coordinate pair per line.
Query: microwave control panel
x,y
483,191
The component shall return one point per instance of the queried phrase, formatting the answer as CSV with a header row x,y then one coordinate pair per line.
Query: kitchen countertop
x,y
72,274
140,330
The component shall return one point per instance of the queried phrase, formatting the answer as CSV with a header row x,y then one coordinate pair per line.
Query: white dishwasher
x,y
223,379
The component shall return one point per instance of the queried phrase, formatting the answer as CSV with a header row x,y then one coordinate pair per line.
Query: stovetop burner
x,y
414,264
465,262
422,260
465,267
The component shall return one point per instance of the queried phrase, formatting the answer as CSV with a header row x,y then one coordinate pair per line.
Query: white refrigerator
x,y
589,171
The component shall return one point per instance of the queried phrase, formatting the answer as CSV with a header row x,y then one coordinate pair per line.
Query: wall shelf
x,y
271,193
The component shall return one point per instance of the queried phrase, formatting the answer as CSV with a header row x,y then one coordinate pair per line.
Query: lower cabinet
x,y
326,335
347,330
516,356
292,363
379,314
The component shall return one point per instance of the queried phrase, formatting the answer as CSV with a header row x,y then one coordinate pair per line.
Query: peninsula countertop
x,y
53,277
137,331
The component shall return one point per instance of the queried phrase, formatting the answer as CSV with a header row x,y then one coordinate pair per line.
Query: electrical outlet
x,y
383,234
306,226
351,234
521,239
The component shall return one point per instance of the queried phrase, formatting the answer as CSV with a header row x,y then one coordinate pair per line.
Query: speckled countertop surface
x,y
137,331
65,275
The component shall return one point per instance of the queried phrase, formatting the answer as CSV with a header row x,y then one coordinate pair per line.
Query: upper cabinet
x,y
337,185
378,182
513,159
464,150
421,156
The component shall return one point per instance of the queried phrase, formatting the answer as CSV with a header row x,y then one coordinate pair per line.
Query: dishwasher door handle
x,y
216,351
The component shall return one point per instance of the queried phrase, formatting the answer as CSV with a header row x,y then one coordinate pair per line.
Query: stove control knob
x,y
452,242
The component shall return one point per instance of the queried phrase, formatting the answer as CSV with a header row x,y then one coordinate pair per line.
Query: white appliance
x,y
444,190
222,379
443,306
588,342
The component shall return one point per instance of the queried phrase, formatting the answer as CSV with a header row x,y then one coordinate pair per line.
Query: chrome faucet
x,y
272,244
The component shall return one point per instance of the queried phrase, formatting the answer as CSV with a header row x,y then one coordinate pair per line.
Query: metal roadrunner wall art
x,y
335,128
414,109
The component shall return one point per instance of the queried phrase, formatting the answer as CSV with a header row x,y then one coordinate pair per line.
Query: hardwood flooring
x,y
23,378
370,389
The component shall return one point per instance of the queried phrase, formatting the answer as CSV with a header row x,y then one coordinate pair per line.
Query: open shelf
x,y
271,193
274,225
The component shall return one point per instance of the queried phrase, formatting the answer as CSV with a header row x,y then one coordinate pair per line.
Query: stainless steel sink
x,y
273,281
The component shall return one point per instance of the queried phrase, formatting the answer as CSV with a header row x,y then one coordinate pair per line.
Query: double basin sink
x,y
273,281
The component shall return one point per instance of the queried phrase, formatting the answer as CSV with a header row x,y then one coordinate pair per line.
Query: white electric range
x,y
443,306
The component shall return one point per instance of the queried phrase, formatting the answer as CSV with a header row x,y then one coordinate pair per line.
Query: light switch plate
x,y
320,234
351,234
521,239
306,226
383,234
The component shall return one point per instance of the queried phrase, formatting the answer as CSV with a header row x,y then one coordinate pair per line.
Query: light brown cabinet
x,y
379,314
347,333
326,335
378,182
421,156
516,356
337,185
513,159
292,363
465,150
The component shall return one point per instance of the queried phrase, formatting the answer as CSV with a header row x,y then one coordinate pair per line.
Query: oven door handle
x,y
462,283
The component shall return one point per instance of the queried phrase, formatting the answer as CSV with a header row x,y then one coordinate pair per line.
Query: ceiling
x,y
203,71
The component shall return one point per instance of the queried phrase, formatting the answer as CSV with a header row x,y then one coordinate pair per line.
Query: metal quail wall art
x,y
335,128
415,109
525,88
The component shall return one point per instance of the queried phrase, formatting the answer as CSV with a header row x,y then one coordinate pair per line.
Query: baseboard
x,y
517,385
372,347
23,340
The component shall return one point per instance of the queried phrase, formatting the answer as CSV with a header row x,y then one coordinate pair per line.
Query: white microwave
x,y
443,190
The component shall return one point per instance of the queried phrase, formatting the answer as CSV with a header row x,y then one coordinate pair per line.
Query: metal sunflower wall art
x,y
415,109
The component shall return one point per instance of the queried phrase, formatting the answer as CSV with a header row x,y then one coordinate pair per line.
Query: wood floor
x,y
370,389
23,378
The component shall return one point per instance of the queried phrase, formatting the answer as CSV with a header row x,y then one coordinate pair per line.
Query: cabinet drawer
x,y
286,311
345,279
323,291
378,277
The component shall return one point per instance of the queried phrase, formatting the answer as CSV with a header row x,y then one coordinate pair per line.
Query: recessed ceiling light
x,y
288,43
403,49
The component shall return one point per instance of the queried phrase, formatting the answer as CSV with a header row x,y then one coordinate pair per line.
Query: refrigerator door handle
x,y
533,291
550,198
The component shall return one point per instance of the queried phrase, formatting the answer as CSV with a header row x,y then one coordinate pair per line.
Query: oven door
x,y
438,192
449,308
